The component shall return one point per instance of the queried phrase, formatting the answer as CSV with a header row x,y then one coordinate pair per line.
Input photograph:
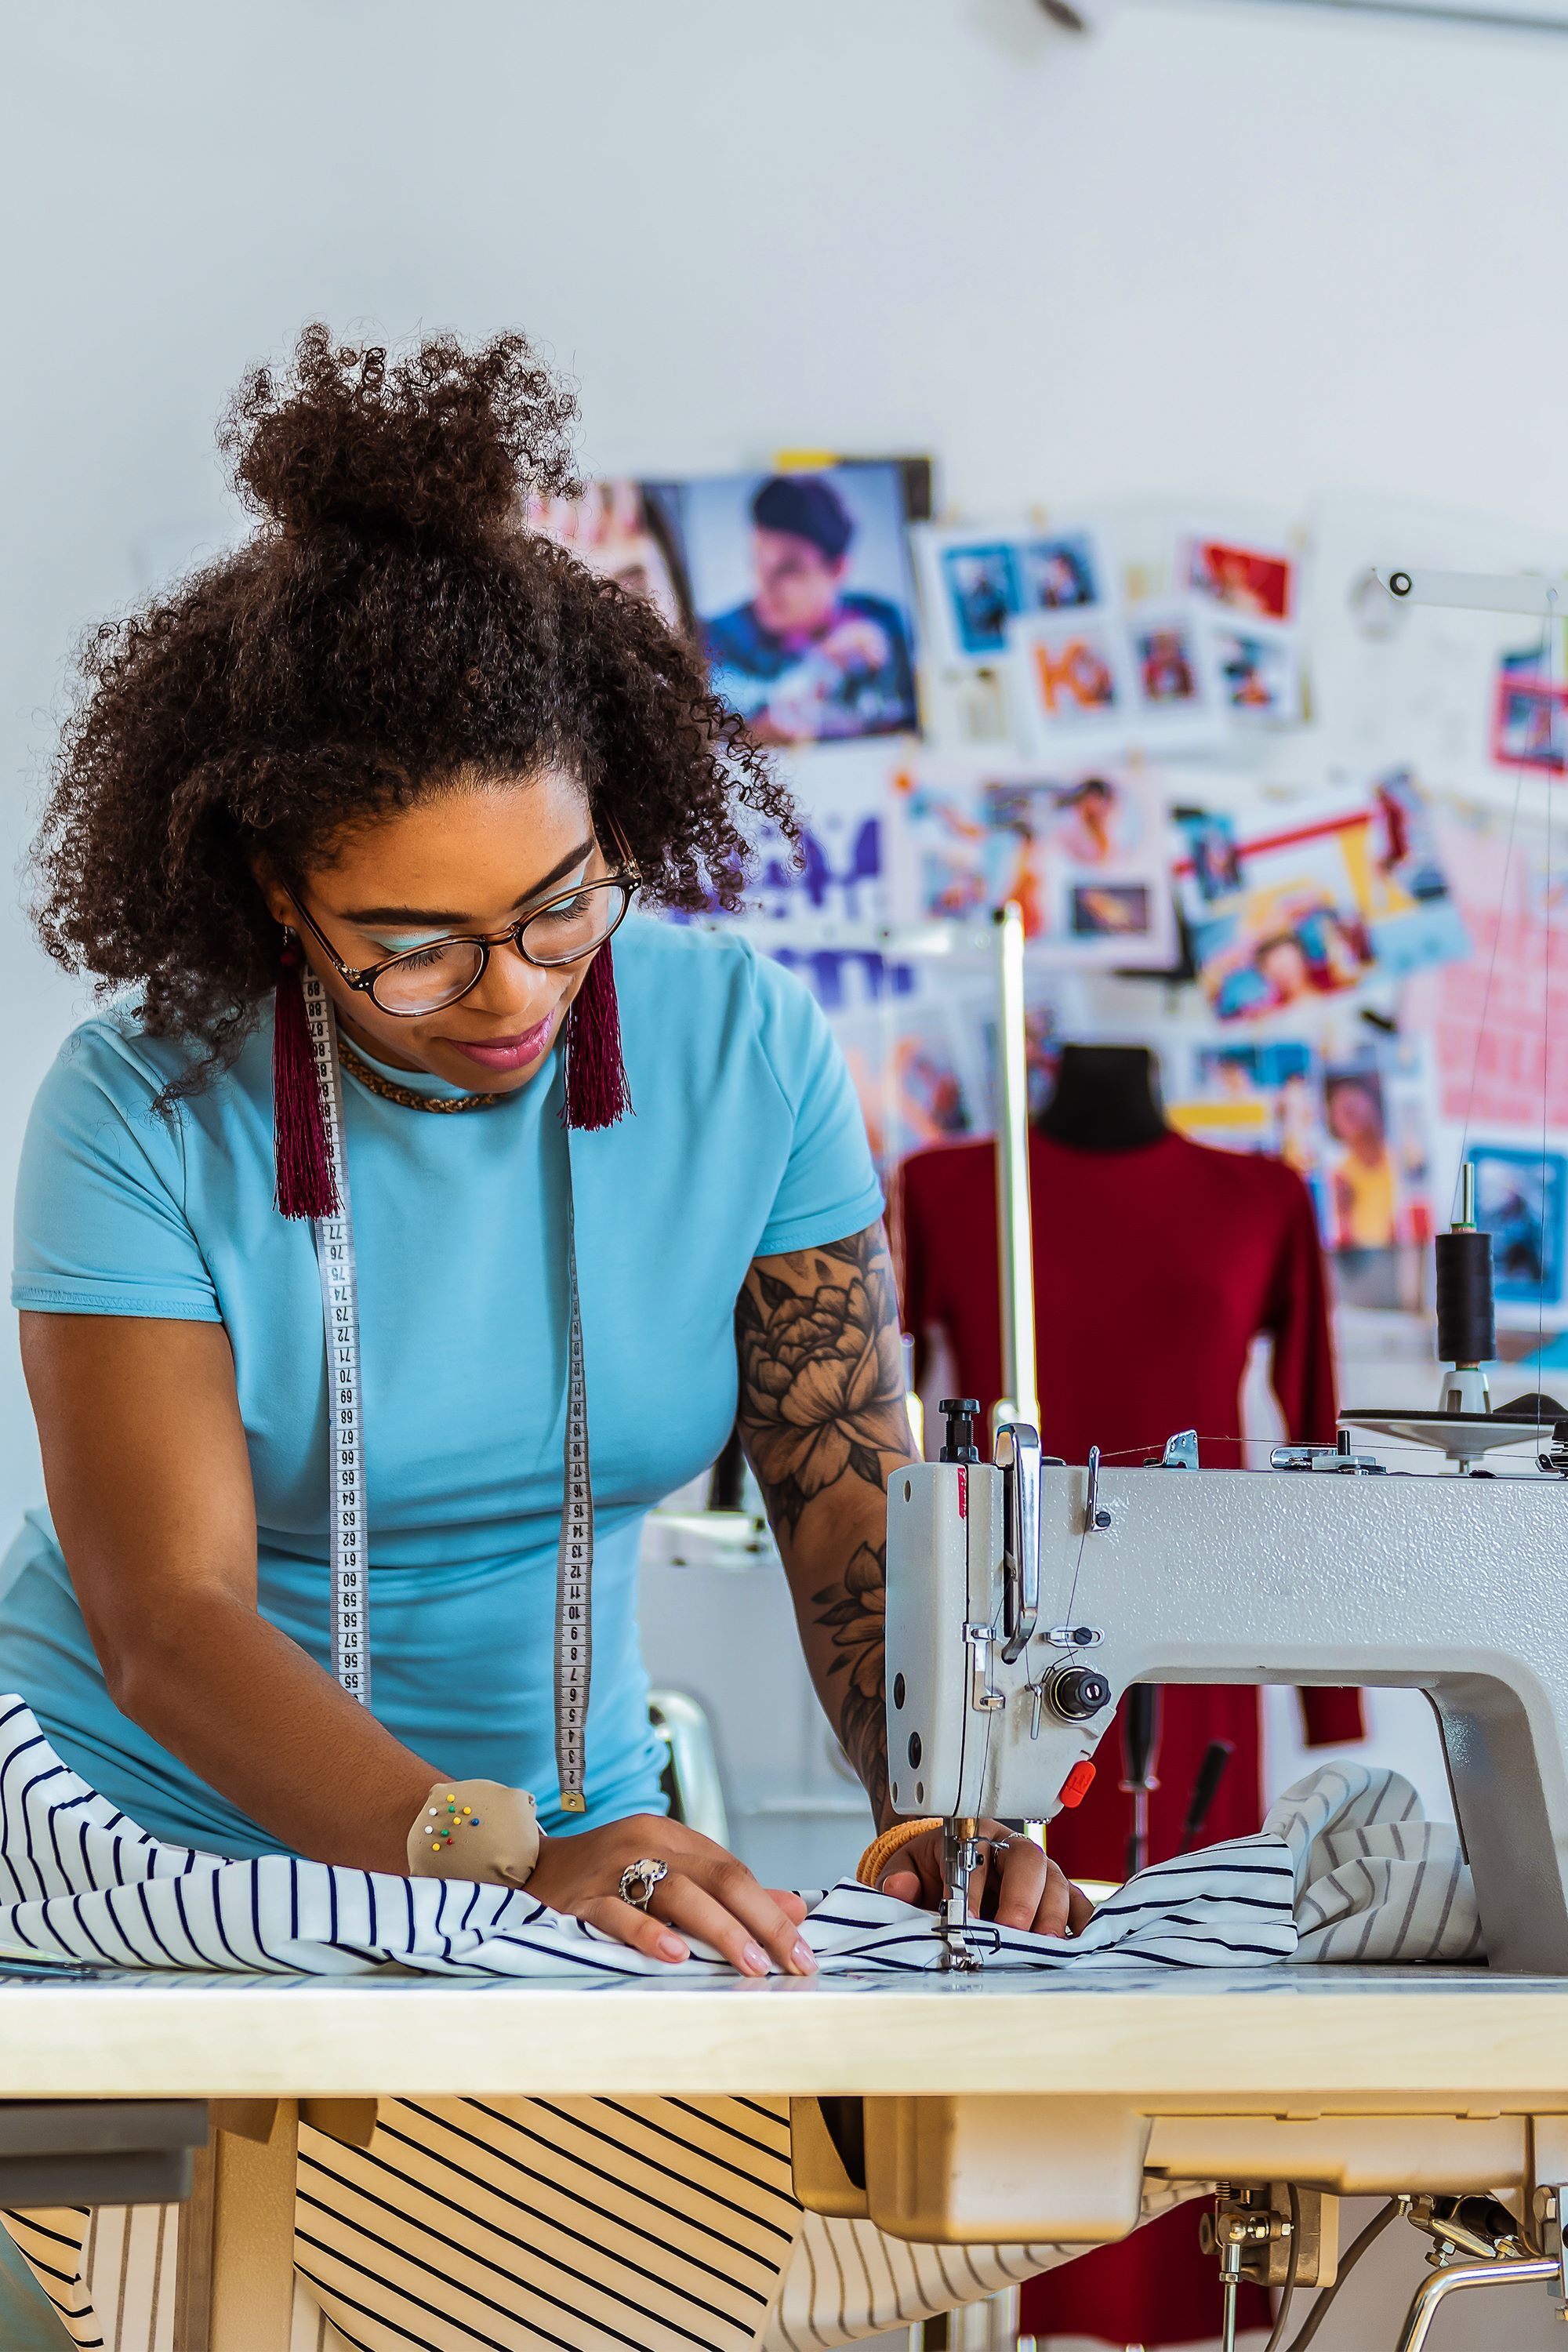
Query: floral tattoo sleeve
x,y
822,1416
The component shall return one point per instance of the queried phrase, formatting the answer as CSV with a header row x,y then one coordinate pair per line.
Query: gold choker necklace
x,y
392,1092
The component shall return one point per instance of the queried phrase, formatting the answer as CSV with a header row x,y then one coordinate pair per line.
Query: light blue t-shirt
x,y
745,1140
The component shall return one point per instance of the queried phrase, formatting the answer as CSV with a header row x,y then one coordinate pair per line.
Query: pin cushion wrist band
x,y
880,1853
475,1829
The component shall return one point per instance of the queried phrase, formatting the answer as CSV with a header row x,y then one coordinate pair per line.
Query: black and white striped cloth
x,y
1375,1879
613,2225
524,2225
78,1880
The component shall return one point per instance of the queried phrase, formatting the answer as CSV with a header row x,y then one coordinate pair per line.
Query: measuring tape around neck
x,y
349,1533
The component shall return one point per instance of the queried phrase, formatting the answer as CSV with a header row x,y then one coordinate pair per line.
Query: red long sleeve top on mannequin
x,y
1154,1269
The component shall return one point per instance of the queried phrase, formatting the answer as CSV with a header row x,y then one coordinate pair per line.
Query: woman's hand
x,y
1027,1891
707,1894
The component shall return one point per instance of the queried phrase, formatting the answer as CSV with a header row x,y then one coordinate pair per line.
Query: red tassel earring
x,y
304,1171
597,1093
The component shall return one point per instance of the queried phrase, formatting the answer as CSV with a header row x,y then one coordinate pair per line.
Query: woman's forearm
x,y
838,1572
823,1418
149,1484
261,1722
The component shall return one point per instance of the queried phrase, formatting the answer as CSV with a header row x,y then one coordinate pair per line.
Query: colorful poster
x,y
1296,927
1312,908
1087,858
834,880
944,839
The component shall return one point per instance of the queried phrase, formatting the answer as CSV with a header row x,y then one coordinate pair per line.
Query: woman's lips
x,y
505,1053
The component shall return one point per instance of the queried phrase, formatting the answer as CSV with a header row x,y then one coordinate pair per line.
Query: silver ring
x,y
639,1880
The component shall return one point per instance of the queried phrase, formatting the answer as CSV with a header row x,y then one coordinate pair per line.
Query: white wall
x,y
1224,249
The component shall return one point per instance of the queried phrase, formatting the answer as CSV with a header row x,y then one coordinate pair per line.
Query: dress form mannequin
x,y
1106,1099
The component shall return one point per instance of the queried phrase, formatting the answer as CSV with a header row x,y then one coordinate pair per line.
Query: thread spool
x,y
1466,1332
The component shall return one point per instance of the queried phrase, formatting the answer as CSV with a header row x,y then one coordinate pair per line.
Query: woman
x,y
354,816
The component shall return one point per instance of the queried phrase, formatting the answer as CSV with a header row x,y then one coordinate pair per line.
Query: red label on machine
x,y
1078,1784
962,1492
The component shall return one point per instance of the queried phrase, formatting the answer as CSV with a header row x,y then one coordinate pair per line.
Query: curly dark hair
x,y
390,630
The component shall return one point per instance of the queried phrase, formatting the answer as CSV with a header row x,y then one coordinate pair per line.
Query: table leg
x,y
235,2291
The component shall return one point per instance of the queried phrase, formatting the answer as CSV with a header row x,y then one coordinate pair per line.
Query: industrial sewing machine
x,y
1027,1596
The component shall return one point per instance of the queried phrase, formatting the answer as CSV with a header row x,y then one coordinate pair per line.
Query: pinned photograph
x,y
1379,1167
1103,910
1376,1206
1520,1197
980,585
1255,583
1168,671
1212,855
1056,576
1176,685
803,597
1259,675
1530,725
1074,691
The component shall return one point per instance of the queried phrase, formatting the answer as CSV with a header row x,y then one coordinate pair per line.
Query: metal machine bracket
x,y
1096,1518
1254,2232
1018,1459
1337,1459
982,1696
1181,1451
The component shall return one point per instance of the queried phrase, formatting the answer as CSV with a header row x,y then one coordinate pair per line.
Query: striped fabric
x,y
80,1882
520,2225
111,2276
606,2225
1375,1879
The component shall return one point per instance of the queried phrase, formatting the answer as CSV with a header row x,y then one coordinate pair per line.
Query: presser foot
x,y
960,1859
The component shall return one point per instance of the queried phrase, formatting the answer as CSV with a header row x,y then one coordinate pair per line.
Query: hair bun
x,y
441,441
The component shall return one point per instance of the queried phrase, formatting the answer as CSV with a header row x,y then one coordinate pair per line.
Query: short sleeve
x,y
100,1226
829,1189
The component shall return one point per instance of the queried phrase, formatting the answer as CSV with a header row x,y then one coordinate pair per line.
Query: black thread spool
x,y
1466,1331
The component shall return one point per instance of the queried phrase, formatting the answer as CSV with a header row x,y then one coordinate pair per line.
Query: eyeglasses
x,y
423,980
